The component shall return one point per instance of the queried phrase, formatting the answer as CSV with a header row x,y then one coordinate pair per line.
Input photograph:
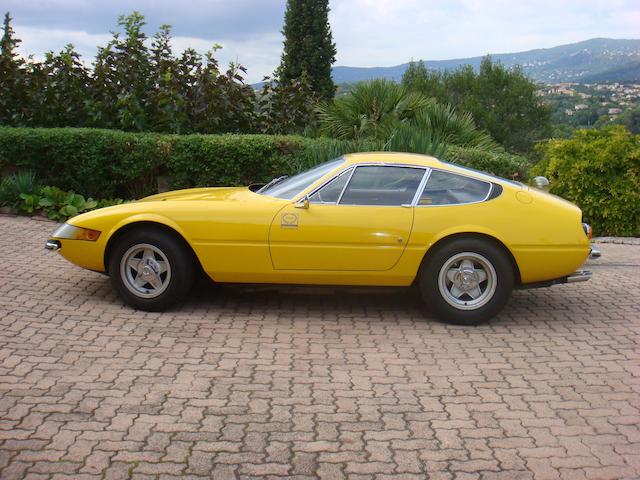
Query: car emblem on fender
x,y
289,220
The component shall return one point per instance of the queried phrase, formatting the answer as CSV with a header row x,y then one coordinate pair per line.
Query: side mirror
x,y
541,182
302,203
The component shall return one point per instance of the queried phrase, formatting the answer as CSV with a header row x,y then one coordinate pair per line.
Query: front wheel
x,y
151,269
466,281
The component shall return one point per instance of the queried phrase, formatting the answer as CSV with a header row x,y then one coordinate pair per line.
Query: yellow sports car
x,y
388,219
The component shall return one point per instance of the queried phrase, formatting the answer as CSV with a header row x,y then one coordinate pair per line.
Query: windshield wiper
x,y
272,183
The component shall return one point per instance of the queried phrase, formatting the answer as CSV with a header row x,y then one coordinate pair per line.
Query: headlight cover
x,y
71,232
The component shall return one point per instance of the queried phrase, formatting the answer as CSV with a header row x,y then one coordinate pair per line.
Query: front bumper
x,y
52,245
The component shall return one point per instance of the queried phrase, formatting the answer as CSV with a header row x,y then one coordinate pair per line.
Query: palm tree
x,y
383,111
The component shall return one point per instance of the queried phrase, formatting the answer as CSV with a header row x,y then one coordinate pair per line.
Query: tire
x,y
151,269
466,281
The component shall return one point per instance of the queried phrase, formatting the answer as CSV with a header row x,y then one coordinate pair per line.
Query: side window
x,y
330,193
444,188
382,185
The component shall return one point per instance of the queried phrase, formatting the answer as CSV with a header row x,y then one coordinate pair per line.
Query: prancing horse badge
x,y
289,220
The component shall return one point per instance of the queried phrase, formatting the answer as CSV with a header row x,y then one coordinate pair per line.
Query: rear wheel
x,y
466,281
151,269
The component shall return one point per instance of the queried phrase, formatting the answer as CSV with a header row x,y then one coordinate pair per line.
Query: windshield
x,y
287,188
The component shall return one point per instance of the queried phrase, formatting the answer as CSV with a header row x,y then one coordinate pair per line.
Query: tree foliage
x,y
501,101
137,83
308,46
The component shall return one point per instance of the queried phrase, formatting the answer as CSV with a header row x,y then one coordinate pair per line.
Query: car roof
x,y
403,158
393,157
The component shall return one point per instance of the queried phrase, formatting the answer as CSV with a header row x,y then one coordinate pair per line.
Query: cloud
x,y
366,32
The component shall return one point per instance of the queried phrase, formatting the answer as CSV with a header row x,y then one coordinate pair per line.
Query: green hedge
x,y
111,163
599,170
503,164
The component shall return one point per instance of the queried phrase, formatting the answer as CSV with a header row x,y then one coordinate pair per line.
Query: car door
x,y
359,221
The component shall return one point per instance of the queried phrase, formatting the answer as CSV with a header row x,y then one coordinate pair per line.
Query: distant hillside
x,y
599,58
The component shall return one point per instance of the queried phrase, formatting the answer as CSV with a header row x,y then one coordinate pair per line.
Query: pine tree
x,y
12,88
308,46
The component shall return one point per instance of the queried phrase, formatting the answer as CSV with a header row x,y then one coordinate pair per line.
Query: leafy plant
x,y
60,205
21,183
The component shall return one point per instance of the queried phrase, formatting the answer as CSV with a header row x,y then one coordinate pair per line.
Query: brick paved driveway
x,y
265,383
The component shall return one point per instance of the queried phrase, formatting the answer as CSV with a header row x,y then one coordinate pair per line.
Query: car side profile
x,y
467,239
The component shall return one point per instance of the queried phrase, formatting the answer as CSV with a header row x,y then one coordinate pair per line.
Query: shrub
x,y
599,170
502,164
110,163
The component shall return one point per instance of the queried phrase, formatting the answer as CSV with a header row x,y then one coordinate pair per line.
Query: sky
x,y
366,32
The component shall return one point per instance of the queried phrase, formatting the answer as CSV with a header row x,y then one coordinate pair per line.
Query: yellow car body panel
x,y
242,236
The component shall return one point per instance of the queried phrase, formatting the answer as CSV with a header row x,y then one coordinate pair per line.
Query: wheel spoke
x,y
155,281
140,281
482,275
134,263
474,292
162,266
466,263
451,274
148,254
456,292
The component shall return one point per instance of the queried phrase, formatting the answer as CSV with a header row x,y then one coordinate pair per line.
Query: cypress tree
x,y
308,46
12,89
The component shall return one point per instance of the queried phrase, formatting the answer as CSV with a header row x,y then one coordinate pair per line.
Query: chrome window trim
x,y
339,174
346,184
455,204
402,165
421,185
353,167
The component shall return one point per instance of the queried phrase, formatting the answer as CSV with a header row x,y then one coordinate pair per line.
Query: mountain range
x,y
594,60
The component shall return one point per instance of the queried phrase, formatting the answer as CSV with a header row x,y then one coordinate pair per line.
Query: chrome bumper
x,y
595,253
579,276
575,277
52,245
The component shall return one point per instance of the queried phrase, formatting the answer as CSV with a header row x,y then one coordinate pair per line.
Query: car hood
x,y
207,193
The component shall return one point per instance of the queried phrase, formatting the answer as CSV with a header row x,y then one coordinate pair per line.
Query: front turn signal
x,y
71,232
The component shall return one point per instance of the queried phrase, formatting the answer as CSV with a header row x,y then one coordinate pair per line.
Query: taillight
x,y
588,231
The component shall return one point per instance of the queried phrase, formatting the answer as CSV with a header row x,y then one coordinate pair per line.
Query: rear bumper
x,y
579,276
575,277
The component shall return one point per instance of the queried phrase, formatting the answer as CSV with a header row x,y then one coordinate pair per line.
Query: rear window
x,y
445,188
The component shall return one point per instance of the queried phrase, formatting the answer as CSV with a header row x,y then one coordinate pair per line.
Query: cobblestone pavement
x,y
310,383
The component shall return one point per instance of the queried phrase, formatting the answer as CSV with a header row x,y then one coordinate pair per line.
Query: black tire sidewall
x,y
430,269
180,261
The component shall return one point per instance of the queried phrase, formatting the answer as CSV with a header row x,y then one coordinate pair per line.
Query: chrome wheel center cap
x,y
466,279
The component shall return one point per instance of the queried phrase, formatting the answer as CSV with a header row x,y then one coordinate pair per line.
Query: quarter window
x,y
444,188
330,193
382,185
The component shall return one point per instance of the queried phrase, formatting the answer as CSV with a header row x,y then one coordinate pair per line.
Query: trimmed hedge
x,y
111,163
